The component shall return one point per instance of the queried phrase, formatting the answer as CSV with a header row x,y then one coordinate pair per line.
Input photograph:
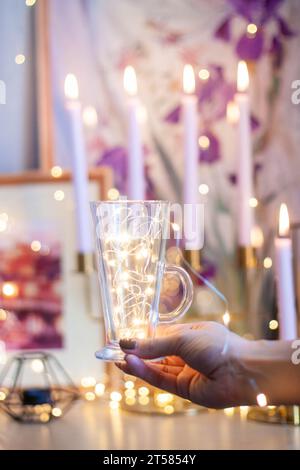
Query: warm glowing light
x,y
10,289
188,79
87,382
59,195
268,262
56,171
130,393
71,87
169,409
244,412
203,189
204,74
204,142
261,400
44,417
175,227
252,29
30,3
257,237
3,221
129,384
36,245
90,396
3,314
226,318
163,399
242,77
130,401
273,325
229,411
284,221
114,405
99,389
37,366
90,116
115,396
149,291
2,395
20,59
232,113
113,194
253,202
130,81
144,401
143,391
56,412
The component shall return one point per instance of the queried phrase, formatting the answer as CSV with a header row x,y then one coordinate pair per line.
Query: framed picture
x,y
44,302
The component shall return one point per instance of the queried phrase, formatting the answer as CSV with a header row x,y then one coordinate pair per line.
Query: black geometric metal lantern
x,y
35,388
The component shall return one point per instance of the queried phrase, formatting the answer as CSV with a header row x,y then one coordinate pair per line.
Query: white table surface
x,y
95,426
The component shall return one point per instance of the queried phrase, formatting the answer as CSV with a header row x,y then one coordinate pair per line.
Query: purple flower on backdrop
x,y
211,154
259,12
116,158
233,179
174,116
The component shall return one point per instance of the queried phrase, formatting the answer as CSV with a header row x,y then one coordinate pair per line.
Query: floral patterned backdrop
x,y
96,39
158,38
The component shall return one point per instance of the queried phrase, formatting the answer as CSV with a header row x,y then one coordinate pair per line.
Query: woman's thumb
x,y
153,348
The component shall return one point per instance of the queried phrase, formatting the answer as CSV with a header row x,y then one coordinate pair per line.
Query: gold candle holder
x,y
246,257
276,414
85,263
193,257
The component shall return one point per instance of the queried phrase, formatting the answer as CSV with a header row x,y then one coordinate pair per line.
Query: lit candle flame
x,y
242,77
71,87
130,81
188,79
284,221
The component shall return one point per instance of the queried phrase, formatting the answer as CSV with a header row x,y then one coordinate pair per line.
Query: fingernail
x,y
128,343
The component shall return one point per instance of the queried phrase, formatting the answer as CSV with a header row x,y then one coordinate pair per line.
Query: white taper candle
x,y
244,167
285,279
79,166
136,176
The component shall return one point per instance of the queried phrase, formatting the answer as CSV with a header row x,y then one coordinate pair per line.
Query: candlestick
x,y
245,172
136,177
79,165
284,277
190,190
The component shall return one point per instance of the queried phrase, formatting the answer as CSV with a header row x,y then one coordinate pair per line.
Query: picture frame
x,y
31,204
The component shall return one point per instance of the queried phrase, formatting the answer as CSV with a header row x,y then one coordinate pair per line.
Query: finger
x,y
157,378
175,370
151,349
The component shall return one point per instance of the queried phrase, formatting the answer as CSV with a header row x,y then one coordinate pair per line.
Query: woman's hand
x,y
200,365
209,365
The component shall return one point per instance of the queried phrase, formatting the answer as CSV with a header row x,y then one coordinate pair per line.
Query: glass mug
x,y
131,239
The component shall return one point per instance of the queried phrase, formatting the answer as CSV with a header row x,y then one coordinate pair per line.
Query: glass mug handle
x,y
187,296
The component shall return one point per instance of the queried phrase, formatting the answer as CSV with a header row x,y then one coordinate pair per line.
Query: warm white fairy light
x,y
267,262
204,142
36,245
99,389
251,29
226,318
204,74
129,384
261,400
273,325
115,396
203,189
59,195
169,409
10,289
253,202
56,171
90,396
114,405
37,366
56,412
87,382
229,411
143,400
113,194
20,59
